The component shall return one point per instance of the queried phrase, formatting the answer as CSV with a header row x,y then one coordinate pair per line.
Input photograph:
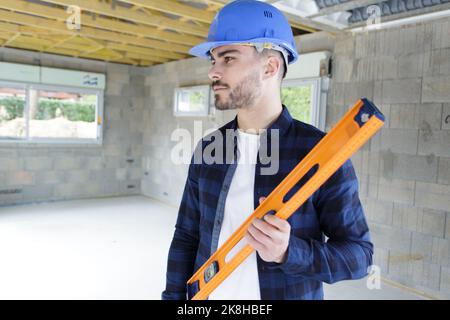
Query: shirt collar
x,y
282,123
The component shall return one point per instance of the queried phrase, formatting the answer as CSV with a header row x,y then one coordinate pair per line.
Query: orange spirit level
x,y
360,123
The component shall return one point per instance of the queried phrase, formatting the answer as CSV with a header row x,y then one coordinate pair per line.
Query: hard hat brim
x,y
203,50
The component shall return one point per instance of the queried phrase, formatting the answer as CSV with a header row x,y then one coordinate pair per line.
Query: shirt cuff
x,y
298,258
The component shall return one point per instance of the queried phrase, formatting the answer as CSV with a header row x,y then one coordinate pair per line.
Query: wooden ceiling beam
x,y
146,51
78,49
118,46
91,51
9,27
114,53
60,42
140,56
110,25
39,45
47,43
37,23
176,8
32,44
12,39
5,35
26,45
134,16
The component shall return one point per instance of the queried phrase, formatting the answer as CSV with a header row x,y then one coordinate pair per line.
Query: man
x,y
250,45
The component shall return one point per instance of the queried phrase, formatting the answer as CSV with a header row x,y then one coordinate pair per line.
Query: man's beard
x,y
243,95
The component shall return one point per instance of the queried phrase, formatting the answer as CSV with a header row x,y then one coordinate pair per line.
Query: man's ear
x,y
272,67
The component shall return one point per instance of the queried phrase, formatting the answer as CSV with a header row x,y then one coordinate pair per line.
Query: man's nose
x,y
214,74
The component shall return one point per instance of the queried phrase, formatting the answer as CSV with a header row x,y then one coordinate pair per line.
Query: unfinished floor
x,y
111,248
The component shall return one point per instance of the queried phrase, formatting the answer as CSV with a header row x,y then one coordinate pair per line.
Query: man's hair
x,y
283,67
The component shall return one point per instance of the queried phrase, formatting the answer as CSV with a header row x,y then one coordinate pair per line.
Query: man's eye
x,y
213,62
228,59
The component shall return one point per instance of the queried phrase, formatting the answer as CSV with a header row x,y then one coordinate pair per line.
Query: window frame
x,y
99,110
206,107
23,86
318,97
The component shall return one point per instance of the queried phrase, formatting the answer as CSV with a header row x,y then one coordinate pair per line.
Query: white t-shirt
x,y
242,283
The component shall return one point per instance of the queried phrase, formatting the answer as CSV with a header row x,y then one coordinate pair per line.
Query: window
x,y
12,111
298,100
44,113
192,101
306,100
62,114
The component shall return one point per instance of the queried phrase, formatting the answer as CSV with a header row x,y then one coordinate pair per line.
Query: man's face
x,y
236,75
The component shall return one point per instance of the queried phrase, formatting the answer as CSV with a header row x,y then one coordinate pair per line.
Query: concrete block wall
x,y
404,171
36,172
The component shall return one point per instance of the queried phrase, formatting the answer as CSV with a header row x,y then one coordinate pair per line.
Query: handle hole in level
x,y
301,182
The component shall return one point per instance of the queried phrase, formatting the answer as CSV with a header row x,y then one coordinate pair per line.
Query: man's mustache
x,y
218,83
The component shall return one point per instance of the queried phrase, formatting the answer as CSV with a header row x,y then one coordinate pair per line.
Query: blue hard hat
x,y
249,22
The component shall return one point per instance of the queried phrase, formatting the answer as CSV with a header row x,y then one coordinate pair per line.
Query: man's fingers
x,y
273,236
279,223
258,235
265,227
254,243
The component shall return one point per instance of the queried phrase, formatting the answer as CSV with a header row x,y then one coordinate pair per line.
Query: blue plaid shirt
x,y
334,211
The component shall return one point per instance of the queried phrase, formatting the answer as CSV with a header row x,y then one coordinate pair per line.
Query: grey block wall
x,y
33,173
404,171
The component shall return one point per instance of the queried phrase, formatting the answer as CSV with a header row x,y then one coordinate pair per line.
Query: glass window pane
x,y
61,114
192,101
298,100
12,106
197,101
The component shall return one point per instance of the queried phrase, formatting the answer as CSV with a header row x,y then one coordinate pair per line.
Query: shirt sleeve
x,y
183,249
347,253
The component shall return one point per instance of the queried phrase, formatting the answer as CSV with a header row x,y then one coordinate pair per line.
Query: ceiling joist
x,y
87,32
61,15
134,16
175,8
137,32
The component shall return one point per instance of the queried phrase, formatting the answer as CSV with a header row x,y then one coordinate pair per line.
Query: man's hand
x,y
270,237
